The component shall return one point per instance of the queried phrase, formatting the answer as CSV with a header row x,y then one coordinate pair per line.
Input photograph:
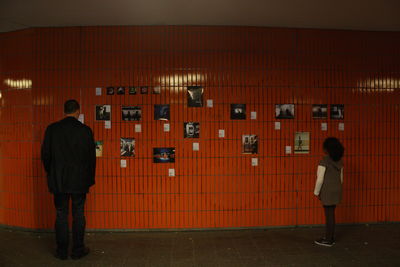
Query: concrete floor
x,y
359,245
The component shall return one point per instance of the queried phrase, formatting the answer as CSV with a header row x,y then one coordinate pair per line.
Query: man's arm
x,y
46,150
92,156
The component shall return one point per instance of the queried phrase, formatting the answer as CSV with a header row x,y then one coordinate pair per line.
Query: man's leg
x,y
78,225
61,202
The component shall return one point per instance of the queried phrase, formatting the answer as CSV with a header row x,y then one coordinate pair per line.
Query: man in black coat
x,y
69,158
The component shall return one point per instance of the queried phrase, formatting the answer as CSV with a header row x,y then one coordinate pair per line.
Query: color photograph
x,y
302,143
164,155
99,149
161,112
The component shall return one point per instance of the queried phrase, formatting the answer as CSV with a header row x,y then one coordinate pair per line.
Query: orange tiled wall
x,y
216,186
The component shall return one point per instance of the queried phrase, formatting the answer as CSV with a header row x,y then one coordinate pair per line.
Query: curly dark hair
x,y
334,148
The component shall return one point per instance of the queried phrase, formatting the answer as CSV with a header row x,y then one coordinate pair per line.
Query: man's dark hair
x,y
334,148
71,106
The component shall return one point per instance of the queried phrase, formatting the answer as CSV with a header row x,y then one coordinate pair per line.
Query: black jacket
x,y
69,156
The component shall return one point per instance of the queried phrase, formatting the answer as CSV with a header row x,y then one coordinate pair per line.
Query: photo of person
x,y
284,111
302,143
144,89
121,90
337,112
131,113
99,148
249,144
127,147
191,130
110,90
164,155
157,90
161,112
132,90
103,112
195,96
320,111
238,111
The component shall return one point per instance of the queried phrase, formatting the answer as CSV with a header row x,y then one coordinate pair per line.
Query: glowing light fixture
x,y
19,84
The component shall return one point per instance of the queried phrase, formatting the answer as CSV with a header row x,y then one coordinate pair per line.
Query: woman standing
x,y
328,187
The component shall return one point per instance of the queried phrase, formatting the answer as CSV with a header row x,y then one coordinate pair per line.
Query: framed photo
x,y
99,149
238,111
195,96
284,111
164,155
127,147
337,112
132,90
103,112
157,90
161,112
131,113
144,90
110,90
302,143
121,90
191,130
320,111
249,144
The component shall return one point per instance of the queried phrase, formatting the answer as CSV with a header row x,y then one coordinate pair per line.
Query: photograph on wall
x,y
110,90
238,111
144,89
195,96
161,112
302,143
163,154
337,112
121,90
191,130
99,149
103,112
157,90
127,147
320,111
132,90
131,113
284,111
249,144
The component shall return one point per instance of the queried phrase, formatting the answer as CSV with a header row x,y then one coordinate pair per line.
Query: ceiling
x,y
376,15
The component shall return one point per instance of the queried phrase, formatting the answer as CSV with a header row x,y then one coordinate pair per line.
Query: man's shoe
x,y
324,242
81,254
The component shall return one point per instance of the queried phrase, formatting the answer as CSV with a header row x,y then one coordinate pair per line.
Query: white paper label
x,y
254,162
253,115
123,163
108,108
288,149
210,103
196,147
324,126
98,90
166,127
138,128
107,124
277,125
341,126
221,133
171,172
81,118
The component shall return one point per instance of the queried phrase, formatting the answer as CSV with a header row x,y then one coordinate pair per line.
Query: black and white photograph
x,y
161,112
249,144
195,96
191,130
320,111
144,89
127,147
157,90
302,143
110,90
337,112
164,155
131,113
132,90
121,90
99,149
238,111
284,111
103,112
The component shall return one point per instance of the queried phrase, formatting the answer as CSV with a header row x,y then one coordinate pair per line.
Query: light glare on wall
x,y
182,79
19,84
378,85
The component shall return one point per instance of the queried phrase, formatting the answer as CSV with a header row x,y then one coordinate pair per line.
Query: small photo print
x,y
320,111
144,89
163,154
337,112
121,90
157,90
103,112
110,90
284,111
249,144
191,130
161,112
238,111
195,96
127,147
132,90
302,143
131,113
99,149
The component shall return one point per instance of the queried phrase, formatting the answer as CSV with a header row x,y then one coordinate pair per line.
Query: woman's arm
x,y
320,179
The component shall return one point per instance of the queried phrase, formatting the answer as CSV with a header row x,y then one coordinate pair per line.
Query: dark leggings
x,y
330,222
